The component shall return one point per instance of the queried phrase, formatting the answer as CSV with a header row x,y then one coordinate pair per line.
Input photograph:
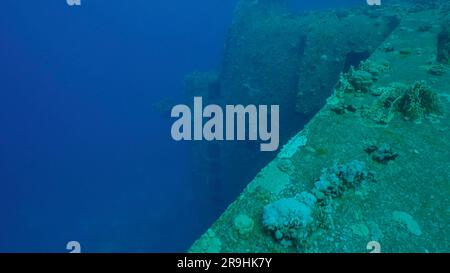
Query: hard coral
x,y
287,217
383,110
286,213
360,80
335,180
415,102
418,101
382,155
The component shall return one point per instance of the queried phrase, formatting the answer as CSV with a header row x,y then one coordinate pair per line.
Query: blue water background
x,y
83,156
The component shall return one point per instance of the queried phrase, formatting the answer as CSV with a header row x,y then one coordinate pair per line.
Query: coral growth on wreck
x,y
414,102
419,101
361,79
287,218
292,220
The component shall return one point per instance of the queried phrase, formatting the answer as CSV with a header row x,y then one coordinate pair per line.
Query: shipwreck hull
x,y
280,59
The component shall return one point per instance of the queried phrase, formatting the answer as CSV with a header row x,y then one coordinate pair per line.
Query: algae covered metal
x,y
373,164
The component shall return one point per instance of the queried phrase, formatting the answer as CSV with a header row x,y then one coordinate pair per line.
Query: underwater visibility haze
x,y
87,115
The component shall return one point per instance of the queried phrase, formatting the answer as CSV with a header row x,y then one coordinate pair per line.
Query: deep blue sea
x,y
83,155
